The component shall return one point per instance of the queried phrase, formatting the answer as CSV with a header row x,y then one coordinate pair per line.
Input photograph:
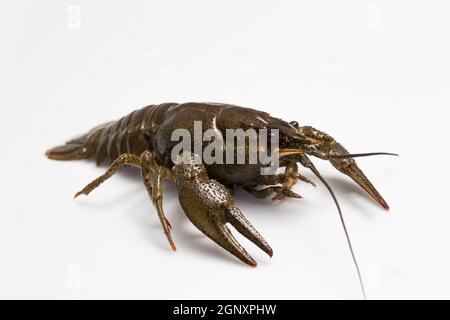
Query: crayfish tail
x,y
82,147
67,152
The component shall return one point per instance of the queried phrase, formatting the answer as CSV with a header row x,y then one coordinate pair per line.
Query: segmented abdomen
x,y
108,141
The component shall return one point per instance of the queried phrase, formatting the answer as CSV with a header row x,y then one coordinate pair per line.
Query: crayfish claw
x,y
305,179
283,193
226,240
349,167
237,220
209,206
326,147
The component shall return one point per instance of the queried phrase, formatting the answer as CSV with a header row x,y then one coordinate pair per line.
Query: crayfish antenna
x,y
307,163
360,155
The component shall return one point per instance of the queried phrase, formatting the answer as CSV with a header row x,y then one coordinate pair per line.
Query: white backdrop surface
x,y
374,74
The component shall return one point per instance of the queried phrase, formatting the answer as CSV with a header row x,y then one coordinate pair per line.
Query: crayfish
x,y
145,139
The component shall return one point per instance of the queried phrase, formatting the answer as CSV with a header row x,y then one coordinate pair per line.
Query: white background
x,y
374,74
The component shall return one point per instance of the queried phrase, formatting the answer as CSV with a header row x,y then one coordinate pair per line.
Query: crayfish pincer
x,y
207,149
209,206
